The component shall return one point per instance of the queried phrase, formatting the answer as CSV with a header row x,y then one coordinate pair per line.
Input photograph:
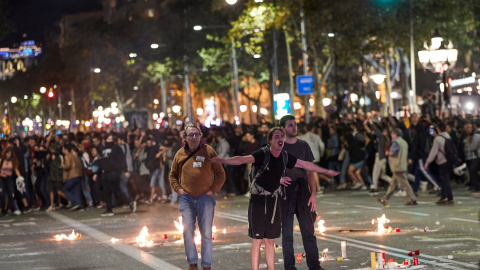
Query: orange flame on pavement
x,y
142,238
72,236
381,222
321,226
178,224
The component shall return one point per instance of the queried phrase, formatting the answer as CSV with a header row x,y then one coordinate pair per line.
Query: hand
x,y
181,192
409,162
127,174
331,173
285,180
216,160
426,166
209,192
387,153
312,202
94,178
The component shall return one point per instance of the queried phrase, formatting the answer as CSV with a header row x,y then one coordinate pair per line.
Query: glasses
x,y
191,135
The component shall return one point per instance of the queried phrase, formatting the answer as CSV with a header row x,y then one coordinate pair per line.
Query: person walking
x,y
111,165
72,175
264,210
301,199
196,179
437,153
398,154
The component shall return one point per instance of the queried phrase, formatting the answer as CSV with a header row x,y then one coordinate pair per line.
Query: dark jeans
x,y
444,179
111,186
95,187
72,189
42,190
307,230
473,168
9,191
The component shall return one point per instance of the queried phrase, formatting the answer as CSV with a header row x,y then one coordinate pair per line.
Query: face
x,y
277,140
263,129
468,128
109,139
94,152
290,128
414,118
193,138
248,137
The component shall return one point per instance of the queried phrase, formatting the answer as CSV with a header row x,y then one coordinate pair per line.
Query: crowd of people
x,y
62,170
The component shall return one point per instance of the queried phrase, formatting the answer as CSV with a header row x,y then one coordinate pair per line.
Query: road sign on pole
x,y
305,84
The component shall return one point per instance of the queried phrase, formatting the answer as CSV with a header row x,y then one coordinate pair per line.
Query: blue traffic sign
x,y
305,84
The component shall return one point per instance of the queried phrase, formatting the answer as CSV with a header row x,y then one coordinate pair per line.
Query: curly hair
x,y
13,156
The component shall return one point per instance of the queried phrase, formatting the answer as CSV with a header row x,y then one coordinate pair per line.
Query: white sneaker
x,y
423,186
357,185
50,208
363,187
17,213
400,193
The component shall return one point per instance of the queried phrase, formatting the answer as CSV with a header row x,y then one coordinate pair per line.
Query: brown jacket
x,y
198,175
72,167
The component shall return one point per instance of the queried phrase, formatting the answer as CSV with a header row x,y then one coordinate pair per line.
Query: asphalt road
x,y
451,242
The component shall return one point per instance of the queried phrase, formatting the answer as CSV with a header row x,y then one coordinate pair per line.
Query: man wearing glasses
x,y
196,180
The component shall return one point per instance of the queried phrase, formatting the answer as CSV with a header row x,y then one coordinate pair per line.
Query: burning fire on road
x,y
72,236
142,240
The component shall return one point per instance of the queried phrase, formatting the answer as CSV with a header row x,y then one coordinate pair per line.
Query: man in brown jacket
x,y
196,179
72,174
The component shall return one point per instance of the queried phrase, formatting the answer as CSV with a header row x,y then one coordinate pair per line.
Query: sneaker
x,y
364,187
148,201
400,193
50,208
441,201
133,207
75,207
107,214
342,186
357,185
100,205
247,195
17,213
373,192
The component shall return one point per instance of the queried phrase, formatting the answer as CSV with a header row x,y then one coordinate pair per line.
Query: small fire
x,y
381,221
214,229
321,226
115,240
224,231
178,224
198,238
72,236
142,238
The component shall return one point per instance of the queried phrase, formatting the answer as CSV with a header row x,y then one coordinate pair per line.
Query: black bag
x,y
451,152
257,171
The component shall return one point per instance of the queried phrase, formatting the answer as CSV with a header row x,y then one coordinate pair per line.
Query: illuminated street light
x,y
97,70
297,106
132,55
154,46
25,97
43,90
135,88
378,78
254,108
231,2
469,106
176,109
326,101
331,34
199,111
243,108
197,27
155,116
256,56
156,102
13,99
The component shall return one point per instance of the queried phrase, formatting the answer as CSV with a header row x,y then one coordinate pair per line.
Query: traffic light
x,y
50,94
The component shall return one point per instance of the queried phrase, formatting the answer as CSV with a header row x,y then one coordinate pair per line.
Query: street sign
x,y
281,104
305,85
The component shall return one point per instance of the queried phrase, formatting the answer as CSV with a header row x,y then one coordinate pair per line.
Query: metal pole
x,y
275,72
164,94
186,101
235,74
413,97
305,60
59,104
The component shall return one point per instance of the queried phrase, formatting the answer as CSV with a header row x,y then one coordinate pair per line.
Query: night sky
x,y
32,17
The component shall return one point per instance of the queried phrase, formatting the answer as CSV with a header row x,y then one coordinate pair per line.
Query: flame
x,y
214,229
142,238
321,227
179,224
381,221
224,231
71,236
115,240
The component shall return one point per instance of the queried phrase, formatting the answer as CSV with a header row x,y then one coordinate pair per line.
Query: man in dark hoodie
x,y
112,164
421,145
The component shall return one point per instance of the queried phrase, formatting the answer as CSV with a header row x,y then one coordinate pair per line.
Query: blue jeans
x,y
86,190
71,188
202,208
123,184
345,164
157,178
308,236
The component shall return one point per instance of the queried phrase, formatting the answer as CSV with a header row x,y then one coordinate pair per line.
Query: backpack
x,y
451,152
258,171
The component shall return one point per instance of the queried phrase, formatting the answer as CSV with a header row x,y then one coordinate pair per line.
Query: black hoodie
x,y
113,160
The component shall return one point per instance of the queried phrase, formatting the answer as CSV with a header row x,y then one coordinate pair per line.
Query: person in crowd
x,y
87,173
382,145
474,180
112,164
8,183
96,192
223,150
125,177
437,153
397,158
142,174
468,155
72,176
54,162
264,216
40,168
357,158
301,198
196,179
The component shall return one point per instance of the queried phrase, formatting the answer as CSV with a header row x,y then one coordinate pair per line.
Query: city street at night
x,y
446,236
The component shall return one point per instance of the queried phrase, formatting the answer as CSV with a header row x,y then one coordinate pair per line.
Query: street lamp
x,y
439,58
43,90
13,99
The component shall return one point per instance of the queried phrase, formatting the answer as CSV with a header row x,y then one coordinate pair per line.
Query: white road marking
x,y
462,219
137,254
415,213
369,207
24,224
7,221
334,203
373,247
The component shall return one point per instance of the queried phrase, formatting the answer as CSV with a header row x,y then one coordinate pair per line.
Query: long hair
x,y
13,156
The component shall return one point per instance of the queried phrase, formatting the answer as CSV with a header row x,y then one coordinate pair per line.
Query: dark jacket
x,y
113,160
421,143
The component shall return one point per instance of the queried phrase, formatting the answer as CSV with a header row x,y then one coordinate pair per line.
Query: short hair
x,y
271,131
184,133
398,131
286,118
441,126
